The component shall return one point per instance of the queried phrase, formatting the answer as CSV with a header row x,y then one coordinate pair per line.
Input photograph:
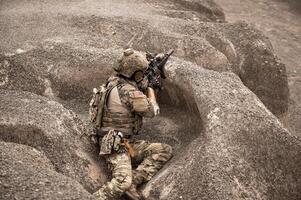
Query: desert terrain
x,y
230,107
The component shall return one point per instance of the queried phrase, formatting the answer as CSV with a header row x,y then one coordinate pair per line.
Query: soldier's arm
x,y
153,100
138,102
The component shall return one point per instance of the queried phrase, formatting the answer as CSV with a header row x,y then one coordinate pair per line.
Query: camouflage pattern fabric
x,y
130,62
138,106
135,100
149,158
121,168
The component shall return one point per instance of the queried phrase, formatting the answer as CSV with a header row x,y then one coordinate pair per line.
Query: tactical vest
x,y
117,116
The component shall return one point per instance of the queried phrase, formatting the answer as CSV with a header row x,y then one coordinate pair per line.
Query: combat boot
x,y
133,194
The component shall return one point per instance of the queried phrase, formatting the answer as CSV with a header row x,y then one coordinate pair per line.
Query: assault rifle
x,y
156,71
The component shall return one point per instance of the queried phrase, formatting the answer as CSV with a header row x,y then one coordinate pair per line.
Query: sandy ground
x,y
280,20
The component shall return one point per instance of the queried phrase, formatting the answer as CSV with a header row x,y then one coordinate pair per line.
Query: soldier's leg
x,y
152,156
120,164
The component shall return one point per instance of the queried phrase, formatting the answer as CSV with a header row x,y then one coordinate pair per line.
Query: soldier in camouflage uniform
x,y
125,106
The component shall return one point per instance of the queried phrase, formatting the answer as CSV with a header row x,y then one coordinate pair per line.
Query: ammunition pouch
x,y
111,143
114,142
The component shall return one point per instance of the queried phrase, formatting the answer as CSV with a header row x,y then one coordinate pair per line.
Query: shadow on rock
x,y
26,173
50,128
243,151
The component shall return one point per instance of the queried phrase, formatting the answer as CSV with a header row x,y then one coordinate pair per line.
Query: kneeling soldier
x,y
125,106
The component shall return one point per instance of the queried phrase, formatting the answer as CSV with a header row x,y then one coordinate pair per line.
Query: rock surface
x,y
47,126
243,152
284,34
227,144
83,49
26,173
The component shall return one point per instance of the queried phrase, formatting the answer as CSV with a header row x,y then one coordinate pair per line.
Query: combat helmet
x,y
130,62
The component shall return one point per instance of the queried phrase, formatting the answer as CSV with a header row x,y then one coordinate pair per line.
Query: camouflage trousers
x,y
148,159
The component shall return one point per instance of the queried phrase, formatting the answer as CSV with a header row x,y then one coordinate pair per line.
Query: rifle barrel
x,y
170,52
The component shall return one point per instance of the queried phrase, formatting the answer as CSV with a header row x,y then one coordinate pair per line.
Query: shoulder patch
x,y
140,102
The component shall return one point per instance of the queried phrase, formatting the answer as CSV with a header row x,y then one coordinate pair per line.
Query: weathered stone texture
x,y
222,79
242,152
46,125
26,173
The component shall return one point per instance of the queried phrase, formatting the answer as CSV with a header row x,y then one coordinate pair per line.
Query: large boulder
x,y
227,144
236,47
242,151
47,126
26,173
210,9
57,70
15,75
77,56
259,68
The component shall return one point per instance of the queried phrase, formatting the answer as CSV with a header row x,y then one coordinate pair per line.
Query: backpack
x,y
98,102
